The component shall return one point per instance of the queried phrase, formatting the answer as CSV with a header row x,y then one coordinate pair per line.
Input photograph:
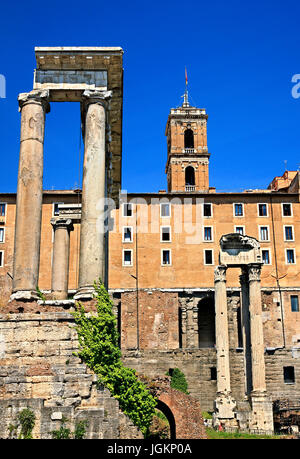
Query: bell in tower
x,y
188,157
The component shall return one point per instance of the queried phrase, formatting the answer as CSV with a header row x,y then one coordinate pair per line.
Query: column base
x,y
262,412
85,294
24,295
225,411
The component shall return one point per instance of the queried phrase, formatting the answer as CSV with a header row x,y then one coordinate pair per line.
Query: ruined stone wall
x,y
38,370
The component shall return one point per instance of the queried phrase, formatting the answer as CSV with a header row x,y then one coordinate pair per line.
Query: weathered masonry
x,y
202,280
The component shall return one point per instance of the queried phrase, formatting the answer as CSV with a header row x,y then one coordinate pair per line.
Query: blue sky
x,y
240,57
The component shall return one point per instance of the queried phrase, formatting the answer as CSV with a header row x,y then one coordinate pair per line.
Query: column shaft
x,y
29,193
245,316
60,258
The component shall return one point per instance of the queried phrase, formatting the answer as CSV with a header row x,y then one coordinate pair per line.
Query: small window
x,y
264,233
127,234
165,210
165,234
208,233
166,257
207,210
262,210
286,210
2,210
294,303
238,210
239,230
289,375
288,233
265,254
290,256
208,257
1,258
2,234
56,209
213,373
127,209
127,257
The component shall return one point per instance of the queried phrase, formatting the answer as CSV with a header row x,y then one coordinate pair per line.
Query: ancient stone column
x,y
245,319
256,328
224,403
92,231
60,259
33,106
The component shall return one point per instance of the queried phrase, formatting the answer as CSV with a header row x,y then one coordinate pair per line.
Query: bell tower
x,y
188,157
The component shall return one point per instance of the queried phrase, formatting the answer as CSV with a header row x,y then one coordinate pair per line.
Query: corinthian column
x,y
33,106
244,281
60,261
224,403
92,232
256,328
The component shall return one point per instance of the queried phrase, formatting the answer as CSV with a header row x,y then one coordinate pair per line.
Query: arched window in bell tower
x,y
188,138
189,176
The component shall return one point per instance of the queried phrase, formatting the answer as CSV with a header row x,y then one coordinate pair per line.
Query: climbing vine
x,y
98,348
178,381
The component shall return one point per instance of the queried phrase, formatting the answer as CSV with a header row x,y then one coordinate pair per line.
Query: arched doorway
x,y
206,323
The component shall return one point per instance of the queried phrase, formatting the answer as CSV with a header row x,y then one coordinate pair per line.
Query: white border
x,y
203,234
211,208
5,212
233,209
295,261
163,204
3,228
293,233
123,207
2,261
170,233
161,257
259,233
291,303
287,216
240,226
123,231
213,258
127,265
267,207
270,258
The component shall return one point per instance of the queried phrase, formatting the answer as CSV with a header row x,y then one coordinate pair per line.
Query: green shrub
x,y
63,433
27,420
98,348
178,381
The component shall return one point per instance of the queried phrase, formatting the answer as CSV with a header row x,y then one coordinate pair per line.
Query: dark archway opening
x,y
206,322
167,428
190,176
188,138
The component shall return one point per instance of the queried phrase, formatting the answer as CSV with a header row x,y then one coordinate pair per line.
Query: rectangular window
x,y
1,258
262,210
208,257
213,373
2,209
264,233
239,230
166,257
127,209
288,233
208,233
127,234
290,256
165,234
265,254
238,210
294,303
127,257
2,233
286,210
289,375
56,209
165,210
207,210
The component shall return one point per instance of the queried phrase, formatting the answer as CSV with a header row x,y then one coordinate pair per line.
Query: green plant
x,y
40,294
63,433
206,415
98,348
27,420
80,430
178,381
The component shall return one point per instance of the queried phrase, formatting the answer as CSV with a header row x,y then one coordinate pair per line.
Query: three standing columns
x,y
92,232
33,106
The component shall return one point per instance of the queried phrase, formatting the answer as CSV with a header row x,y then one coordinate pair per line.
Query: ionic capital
x,y
37,96
64,223
220,273
254,271
95,97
